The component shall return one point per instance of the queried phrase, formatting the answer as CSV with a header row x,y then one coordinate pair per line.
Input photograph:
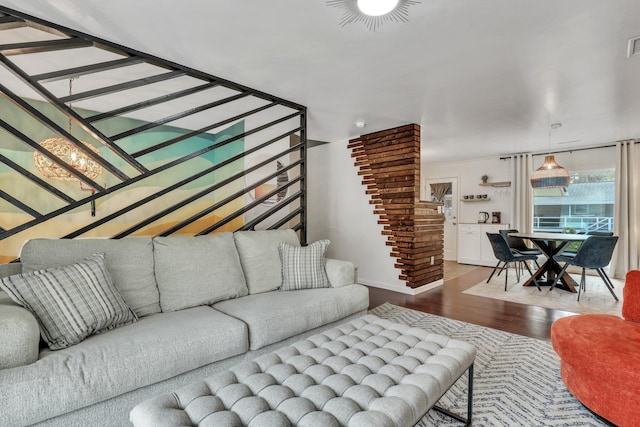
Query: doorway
x,y
450,210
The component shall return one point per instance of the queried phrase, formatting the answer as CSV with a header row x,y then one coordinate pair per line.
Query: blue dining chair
x,y
505,256
573,252
517,244
594,253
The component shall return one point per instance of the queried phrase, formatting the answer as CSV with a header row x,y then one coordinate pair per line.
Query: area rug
x,y
596,299
516,382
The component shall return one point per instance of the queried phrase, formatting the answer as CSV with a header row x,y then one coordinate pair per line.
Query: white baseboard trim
x,y
402,289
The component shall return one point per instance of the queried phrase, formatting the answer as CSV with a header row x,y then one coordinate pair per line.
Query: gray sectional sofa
x,y
203,304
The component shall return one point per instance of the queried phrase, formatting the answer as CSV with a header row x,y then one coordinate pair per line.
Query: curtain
x,y
440,189
626,211
522,207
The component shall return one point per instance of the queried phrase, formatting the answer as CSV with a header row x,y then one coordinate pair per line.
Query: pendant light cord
x,y
69,105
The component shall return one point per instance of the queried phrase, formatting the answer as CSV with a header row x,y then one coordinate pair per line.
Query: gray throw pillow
x,y
70,302
303,267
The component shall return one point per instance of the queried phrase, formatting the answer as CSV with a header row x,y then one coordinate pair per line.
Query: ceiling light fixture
x,y
373,12
550,174
72,155
376,7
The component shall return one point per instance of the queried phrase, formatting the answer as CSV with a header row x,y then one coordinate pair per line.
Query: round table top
x,y
552,236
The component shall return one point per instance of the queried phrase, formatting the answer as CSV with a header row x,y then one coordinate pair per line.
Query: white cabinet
x,y
468,243
474,246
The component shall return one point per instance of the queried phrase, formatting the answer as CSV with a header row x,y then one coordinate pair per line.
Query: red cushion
x,y
631,305
600,364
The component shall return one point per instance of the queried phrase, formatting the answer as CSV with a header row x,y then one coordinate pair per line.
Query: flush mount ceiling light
x,y
550,174
373,12
376,7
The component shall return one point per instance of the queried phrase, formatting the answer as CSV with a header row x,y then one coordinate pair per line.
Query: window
x,y
586,205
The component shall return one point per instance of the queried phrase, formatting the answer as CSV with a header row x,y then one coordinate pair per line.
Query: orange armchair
x,y
600,358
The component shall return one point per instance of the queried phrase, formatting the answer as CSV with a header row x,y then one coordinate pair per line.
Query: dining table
x,y
551,244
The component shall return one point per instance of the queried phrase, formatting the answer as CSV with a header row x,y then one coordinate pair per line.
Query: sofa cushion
x,y
274,316
259,257
193,271
303,267
70,302
153,349
129,262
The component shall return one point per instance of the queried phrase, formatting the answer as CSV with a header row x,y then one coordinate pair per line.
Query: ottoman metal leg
x,y
466,421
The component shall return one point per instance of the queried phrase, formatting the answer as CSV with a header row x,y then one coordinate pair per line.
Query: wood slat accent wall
x,y
389,163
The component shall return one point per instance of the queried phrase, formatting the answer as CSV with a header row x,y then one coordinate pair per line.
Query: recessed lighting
x,y
360,124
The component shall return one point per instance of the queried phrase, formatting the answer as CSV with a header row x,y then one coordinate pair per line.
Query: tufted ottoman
x,y
368,372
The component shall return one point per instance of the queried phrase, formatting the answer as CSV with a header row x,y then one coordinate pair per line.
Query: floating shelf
x,y
476,200
496,184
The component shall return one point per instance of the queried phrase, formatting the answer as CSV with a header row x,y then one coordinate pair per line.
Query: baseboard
x,y
402,289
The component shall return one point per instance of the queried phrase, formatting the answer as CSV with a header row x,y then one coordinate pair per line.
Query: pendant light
x,y
69,153
550,174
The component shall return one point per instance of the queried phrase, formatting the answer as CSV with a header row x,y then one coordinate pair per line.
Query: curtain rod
x,y
570,150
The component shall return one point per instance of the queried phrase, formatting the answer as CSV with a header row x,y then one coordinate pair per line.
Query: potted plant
x,y
484,178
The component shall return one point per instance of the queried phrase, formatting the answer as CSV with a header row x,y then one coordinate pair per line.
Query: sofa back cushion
x,y
260,259
129,261
193,271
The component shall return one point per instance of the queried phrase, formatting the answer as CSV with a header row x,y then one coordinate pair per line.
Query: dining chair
x,y
594,253
573,252
505,256
517,244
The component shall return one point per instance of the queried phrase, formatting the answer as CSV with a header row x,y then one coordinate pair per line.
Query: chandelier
x,y
69,153
550,174
373,12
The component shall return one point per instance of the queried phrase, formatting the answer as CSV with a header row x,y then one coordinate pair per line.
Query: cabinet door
x,y
469,244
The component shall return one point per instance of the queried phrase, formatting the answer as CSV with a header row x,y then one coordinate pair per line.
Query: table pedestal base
x,y
551,269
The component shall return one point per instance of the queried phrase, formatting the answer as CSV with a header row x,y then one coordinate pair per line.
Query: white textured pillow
x,y
259,257
70,302
303,267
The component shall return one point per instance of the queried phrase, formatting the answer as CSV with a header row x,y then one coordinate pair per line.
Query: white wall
x,y
339,210
468,173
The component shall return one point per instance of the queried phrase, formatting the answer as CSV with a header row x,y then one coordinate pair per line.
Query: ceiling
x,y
482,78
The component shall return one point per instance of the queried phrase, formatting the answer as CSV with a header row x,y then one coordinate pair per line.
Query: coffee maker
x,y
495,217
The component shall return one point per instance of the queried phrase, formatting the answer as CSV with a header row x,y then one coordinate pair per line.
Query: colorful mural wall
x,y
116,205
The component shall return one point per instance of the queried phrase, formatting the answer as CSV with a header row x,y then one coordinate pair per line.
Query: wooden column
x,y
389,163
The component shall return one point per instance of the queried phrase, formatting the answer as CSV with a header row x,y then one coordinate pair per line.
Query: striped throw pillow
x,y
303,267
70,302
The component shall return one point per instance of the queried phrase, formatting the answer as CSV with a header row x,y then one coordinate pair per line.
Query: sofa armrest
x,y
340,273
19,335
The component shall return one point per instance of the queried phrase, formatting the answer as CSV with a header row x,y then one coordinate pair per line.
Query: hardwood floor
x,y
449,301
